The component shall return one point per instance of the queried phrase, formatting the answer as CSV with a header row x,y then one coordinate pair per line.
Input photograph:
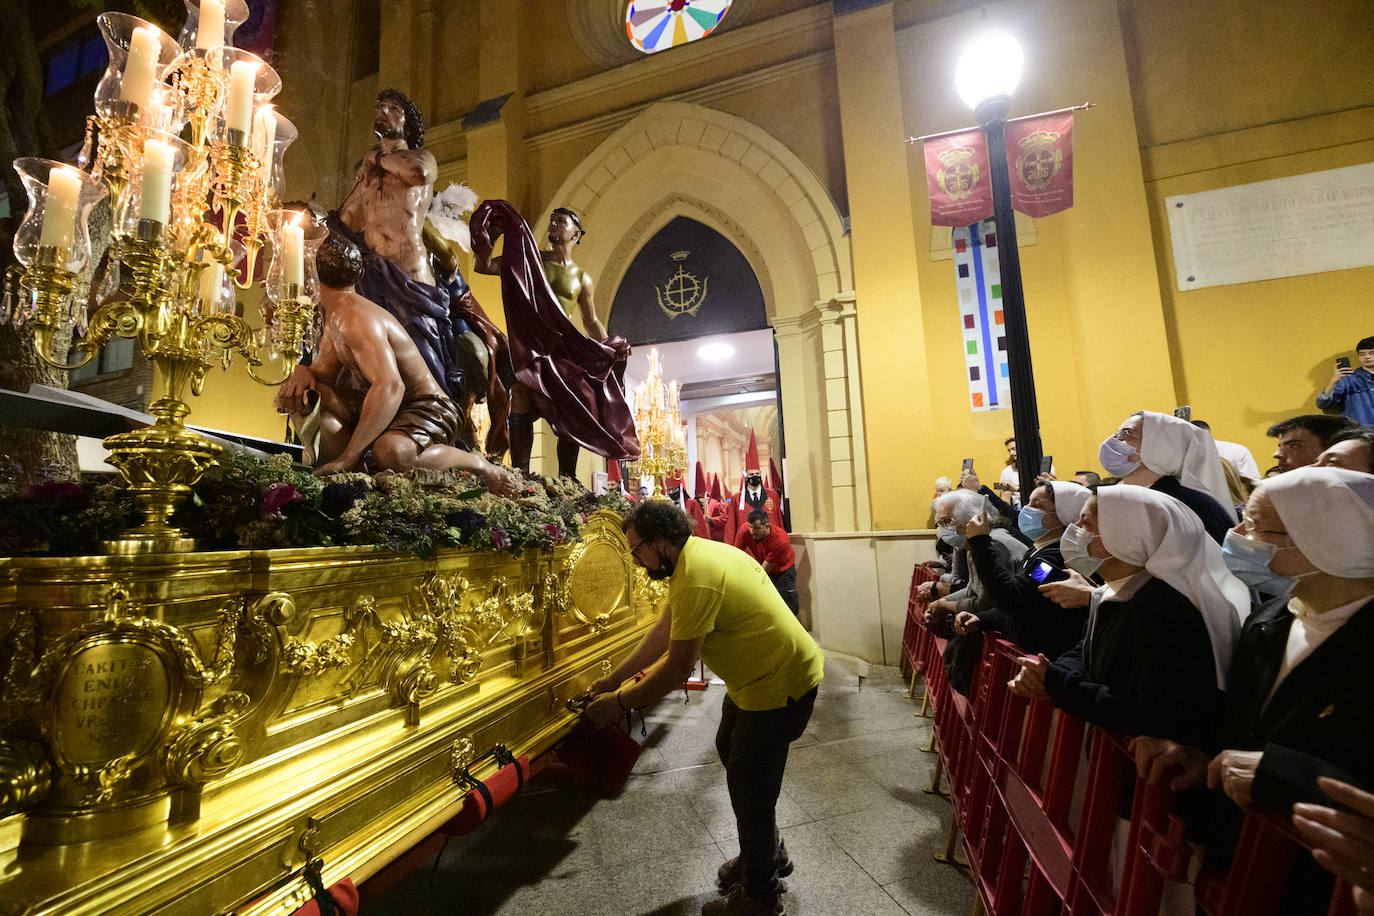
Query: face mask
x,y
755,481
952,537
1249,559
1074,548
1117,457
663,570
1031,521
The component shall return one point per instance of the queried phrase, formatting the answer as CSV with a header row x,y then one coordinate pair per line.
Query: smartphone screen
x,y
1184,413
1040,570
1046,464
968,465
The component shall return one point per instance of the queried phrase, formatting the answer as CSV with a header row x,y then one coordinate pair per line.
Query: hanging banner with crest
x,y
957,178
1040,162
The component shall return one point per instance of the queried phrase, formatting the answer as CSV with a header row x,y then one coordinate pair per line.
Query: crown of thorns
x,y
415,123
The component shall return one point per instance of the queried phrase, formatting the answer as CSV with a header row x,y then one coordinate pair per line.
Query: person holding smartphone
x,y
1352,390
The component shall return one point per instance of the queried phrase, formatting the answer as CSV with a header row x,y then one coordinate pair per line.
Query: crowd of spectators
x,y
1222,620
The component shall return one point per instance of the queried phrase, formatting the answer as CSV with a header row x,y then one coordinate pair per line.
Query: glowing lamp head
x,y
715,352
988,70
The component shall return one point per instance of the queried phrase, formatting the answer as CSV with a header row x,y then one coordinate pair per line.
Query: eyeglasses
x,y
634,548
947,522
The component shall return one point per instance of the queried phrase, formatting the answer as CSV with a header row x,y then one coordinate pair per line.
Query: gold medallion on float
x,y
683,294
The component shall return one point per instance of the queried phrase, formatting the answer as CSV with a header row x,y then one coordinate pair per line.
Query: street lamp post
x,y
986,75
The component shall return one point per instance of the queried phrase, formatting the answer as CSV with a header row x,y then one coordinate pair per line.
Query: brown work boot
x,y
732,874
740,902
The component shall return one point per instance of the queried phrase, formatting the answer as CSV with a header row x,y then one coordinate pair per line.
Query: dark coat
x,y
1023,614
1321,709
1149,669
1215,517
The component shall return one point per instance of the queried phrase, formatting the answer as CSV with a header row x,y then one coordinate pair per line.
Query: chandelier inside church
x,y
185,143
658,423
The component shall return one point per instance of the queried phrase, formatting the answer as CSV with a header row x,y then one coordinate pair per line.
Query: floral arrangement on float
x,y
246,502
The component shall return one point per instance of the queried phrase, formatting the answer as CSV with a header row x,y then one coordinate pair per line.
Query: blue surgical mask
x,y
1118,457
1031,521
1074,548
1249,559
952,537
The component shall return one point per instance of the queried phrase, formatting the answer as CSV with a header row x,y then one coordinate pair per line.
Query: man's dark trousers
x,y
786,584
753,746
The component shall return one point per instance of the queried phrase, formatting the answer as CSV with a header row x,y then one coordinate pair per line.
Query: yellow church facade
x,y
784,131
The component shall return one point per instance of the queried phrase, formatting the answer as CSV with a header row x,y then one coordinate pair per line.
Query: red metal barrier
x,y
915,636
1014,768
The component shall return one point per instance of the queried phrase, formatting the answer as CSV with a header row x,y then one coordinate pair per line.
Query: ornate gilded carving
x,y
598,576
208,747
461,756
308,659
25,775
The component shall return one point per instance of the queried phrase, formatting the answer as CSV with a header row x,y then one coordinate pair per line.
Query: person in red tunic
x,y
769,545
717,511
695,507
753,495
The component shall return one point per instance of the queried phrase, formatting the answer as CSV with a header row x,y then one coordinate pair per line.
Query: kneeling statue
x,y
404,420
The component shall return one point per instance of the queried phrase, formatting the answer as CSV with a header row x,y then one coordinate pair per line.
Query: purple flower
x,y
499,539
278,495
552,531
467,521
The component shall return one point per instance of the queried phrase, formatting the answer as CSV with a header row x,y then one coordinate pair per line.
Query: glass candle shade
x,y
233,13
281,271
156,170
132,88
232,120
271,167
214,292
60,223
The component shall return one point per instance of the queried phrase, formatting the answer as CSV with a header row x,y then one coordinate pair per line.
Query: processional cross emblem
x,y
960,173
682,294
1040,159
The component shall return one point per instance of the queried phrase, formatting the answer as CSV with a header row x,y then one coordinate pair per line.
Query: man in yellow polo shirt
x,y
723,607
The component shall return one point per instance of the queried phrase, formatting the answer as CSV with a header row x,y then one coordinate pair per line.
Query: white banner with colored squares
x,y
979,283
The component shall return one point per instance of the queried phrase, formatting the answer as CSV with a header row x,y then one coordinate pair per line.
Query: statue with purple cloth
x,y
386,214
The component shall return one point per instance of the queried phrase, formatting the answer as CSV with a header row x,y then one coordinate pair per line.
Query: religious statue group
x,y
406,350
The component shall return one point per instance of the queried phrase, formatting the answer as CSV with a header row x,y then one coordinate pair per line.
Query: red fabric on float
x,y
577,382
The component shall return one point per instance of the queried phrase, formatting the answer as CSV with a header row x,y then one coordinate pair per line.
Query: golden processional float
x,y
181,730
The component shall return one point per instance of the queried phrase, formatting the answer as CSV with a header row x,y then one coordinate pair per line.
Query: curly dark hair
x,y
415,123
658,518
338,262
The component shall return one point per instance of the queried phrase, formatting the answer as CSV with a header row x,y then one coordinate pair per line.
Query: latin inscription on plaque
x,y
112,700
599,583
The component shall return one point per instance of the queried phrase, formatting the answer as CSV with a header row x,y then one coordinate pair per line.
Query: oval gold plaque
x,y
599,581
112,700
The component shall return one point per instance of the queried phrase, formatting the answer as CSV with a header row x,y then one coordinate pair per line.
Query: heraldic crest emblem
x,y
959,174
1040,159
683,294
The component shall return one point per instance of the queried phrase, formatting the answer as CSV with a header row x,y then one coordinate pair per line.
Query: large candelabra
x,y
186,144
662,441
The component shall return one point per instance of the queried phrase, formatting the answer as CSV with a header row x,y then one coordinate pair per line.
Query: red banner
x,y
1040,160
957,178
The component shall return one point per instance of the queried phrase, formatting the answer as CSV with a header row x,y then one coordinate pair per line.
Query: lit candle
x,y
211,286
59,213
293,254
156,202
210,30
140,71
238,114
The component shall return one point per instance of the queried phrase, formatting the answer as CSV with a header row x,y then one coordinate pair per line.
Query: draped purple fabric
x,y
577,382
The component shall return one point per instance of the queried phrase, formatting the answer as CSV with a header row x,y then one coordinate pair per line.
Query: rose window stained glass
x,y
656,25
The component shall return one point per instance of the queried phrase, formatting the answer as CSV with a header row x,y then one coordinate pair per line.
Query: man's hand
x,y
292,396
1030,680
1340,373
1234,772
602,685
1342,842
1045,477
1075,591
1155,757
604,710
498,480
969,481
966,623
977,525
923,591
